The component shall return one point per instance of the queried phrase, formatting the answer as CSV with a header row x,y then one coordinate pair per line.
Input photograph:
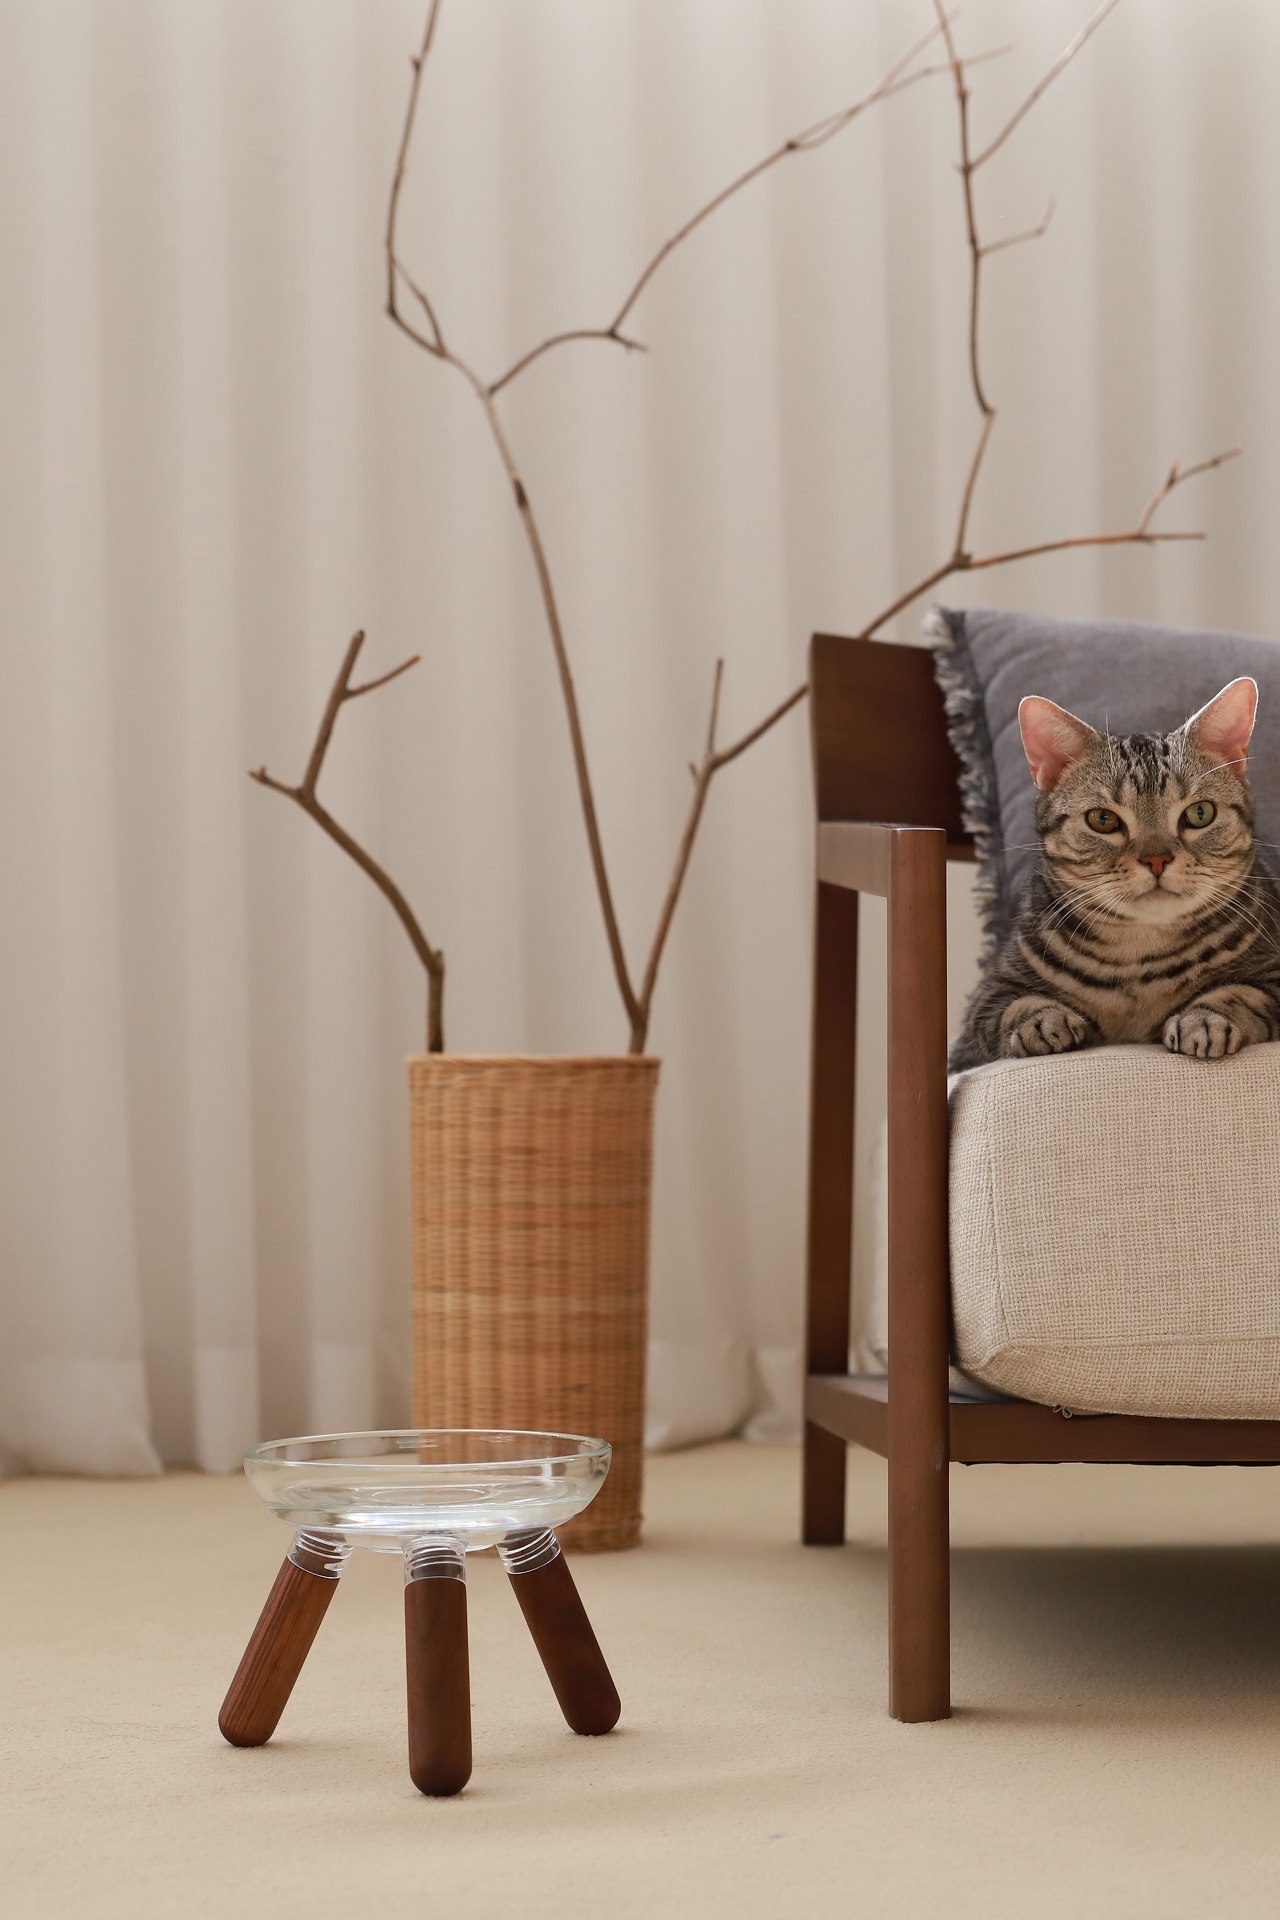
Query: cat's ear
x,y
1052,739
1223,727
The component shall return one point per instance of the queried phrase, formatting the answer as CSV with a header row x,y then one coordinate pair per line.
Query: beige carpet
x,y
1116,1750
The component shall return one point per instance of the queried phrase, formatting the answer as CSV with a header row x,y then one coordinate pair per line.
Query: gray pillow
x,y
1116,674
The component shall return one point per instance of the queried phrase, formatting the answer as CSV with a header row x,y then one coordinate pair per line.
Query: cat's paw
x,y
1202,1033
1049,1027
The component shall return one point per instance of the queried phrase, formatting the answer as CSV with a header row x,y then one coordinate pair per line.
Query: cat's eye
x,y
1102,820
1199,814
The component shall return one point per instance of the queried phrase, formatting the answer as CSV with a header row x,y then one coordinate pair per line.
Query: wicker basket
x,y
531,1179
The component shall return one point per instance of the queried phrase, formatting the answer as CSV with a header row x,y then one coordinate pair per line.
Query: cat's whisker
x,y
1232,902
1221,766
1064,906
1075,902
1237,916
1241,948
1224,895
1084,919
1083,928
1089,923
1240,914
1076,891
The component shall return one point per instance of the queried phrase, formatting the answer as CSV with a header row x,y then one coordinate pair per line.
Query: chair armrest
x,y
860,854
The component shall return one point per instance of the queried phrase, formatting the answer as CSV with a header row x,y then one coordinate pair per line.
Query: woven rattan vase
x,y
531,1179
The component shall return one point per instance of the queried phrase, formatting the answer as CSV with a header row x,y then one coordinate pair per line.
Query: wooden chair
x,y
889,819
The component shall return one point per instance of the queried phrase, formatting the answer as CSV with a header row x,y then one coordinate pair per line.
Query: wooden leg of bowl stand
x,y
557,1619
281,1641
436,1664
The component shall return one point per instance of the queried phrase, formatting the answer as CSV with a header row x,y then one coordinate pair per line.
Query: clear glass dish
x,y
385,1489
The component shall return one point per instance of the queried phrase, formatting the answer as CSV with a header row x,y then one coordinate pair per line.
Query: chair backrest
x,y
880,745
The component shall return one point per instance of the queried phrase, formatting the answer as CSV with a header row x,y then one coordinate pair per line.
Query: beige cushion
x,y
1115,1231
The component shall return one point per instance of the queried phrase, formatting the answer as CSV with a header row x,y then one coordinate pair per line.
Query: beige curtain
x,y
218,459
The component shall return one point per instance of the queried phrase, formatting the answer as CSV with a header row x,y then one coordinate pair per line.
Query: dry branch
x,y
304,796
713,758
902,74
960,560
1137,536
1046,80
1028,233
429,335
896,80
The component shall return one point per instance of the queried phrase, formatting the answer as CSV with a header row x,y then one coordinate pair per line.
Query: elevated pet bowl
x,y
434,1495
384,1490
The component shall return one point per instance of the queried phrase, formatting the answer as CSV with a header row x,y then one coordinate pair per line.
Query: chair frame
x,y
880,746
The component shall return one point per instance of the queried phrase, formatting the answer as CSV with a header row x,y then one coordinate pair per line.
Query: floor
x,y
1115,1750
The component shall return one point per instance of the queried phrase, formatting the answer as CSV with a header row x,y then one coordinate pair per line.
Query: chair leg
x,y
919,1418
830,1226
919,1589
281,1641
437,1666
825,1459
555,1616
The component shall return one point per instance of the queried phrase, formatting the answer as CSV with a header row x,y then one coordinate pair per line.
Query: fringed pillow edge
x,y
966,711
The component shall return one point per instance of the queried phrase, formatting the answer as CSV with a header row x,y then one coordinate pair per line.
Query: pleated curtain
x,y
219,459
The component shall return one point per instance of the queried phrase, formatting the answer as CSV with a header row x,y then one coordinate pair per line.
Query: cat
x,y
1151,918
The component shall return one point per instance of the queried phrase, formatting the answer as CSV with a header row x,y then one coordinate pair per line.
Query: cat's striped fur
x,y
1156,929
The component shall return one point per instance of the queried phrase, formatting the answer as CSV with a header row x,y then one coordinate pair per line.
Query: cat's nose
x,y
1156,861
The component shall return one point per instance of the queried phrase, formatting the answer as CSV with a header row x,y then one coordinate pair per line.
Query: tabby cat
x,y
1150,918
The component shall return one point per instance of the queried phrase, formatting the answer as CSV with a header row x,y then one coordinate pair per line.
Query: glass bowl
x,y
384,1489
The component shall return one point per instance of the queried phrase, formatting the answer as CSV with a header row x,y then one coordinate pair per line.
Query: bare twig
x,y
966,498
1176,476
975,257
896,80
586,792
304,796
1042,85
432,341
429,335
960,559
1029,233
713,758
980,250
436,343
561,340
1136,536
